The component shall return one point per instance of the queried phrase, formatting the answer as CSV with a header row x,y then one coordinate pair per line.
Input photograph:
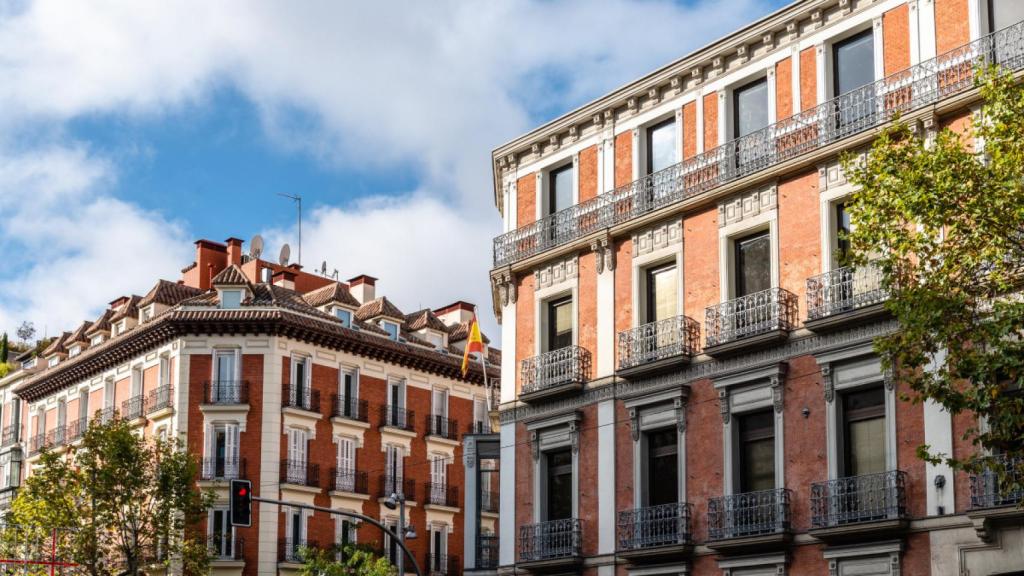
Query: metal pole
x,y
356,515
401,533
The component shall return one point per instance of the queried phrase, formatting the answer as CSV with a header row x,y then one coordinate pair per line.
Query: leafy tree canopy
x,y
353,561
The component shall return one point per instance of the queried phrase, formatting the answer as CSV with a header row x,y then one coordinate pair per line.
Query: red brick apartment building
x,y
320,392
690,386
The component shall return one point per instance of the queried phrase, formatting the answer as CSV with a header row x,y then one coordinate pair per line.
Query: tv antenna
x,y
286,253
256,247
323,268
298,203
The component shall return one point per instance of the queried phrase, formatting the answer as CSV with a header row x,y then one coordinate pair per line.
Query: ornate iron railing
x,y
569,365
76,429
300,472
105,415
36,443
441,494
397,417
676,336
399,486
225,547
132,407
442,564
486,551
749,514
661,525
442,426
865,498
57,437
226,392
301,397
550,540
226,468
350,408
348,480
159,398
844,289
846,115
750,315
989,491
291,550
9,437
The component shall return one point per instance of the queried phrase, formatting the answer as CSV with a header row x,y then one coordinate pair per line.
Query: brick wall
x,y
703,454
690,130
806,457
526,200
799,235
784,89
623,286
808,78
710,120
700,263
524,320
896,39
586,306
623,159
952,25
588,173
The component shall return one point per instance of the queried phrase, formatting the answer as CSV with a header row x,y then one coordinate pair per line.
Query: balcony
x,y
75,430
996,496
291,550
555,373
486,552
753,520
859,506
441,495
844,296
160,398
132,408
658,346
553,545
395,417
301,397
748,322
490,501
442,427
855,113
9,437
401,487
57,437
300,473
105,415
349,481
441,565
226,392
348,408
223,468
224,548
655,532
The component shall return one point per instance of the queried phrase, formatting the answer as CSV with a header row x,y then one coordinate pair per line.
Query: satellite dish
x,y
256,246
323,268
286,253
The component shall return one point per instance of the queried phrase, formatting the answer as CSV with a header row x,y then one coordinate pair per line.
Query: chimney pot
x,y
284,278
363,288
234,251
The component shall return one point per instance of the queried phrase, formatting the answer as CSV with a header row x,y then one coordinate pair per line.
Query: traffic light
x,y
241,503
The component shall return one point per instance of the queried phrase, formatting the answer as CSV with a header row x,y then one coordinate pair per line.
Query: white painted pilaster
x,y
606,477
700,122
270,458
915,32
796,80
605,323
508,352
507,510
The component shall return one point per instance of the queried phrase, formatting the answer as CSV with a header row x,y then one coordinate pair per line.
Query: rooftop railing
x,y
749,514
653,526
844,289
865,498
750,315
569,365
550,540
988,491
676,336
849,114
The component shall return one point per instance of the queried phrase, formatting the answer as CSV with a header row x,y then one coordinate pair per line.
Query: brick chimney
x,y
455,313
363,288
234,251
284,278
211,258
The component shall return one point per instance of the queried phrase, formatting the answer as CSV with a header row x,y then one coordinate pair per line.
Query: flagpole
x,y
483,361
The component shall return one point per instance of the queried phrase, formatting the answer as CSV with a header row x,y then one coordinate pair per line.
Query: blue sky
x,y
128,132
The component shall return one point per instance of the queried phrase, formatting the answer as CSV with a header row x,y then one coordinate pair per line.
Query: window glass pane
x,y
391,328
345,316
560,194
661,293
225,367
750,112
854,62
753,264
559,324
1003,13
662,467
757,451
842,228
230,298
559,489
661,146
864,417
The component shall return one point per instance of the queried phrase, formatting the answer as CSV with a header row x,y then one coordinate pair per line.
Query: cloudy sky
x,y
129,129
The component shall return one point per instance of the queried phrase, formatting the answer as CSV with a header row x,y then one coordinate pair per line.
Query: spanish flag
x,y
474,344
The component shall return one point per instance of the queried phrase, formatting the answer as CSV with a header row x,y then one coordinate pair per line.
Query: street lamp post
x,y
403,532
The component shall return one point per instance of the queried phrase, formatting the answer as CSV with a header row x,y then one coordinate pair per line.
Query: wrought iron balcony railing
x,y
132,408
490,500
291,550
300,473
843,290
442,426
486,551
105,415
989,491
350,408
442,564
441,494
397,417
749,514
569,365
855,112
552,540
76,430
653,526
676,336
480,427
57,437
225,547
159,398
399,486
226,392
866,498
348,480
36,443
301,397
223,468
9,437
751,315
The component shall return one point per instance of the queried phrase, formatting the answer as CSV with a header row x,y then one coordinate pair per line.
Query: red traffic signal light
x,y
241,503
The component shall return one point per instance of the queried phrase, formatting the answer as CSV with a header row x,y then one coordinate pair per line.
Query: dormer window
x,y
53,361
146,313
75,350
29,364
119,328
97,339
436,340
230,299
344,315
391,328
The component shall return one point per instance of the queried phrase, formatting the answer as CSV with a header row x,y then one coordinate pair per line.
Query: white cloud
x,y
429,86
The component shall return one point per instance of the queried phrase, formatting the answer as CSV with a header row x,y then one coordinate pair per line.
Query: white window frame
x,y
546,296
751,391
729,234
233,293
543,184
53,361
307,378
655,259
345,322
827,62
226,519
385,324
641,137
74,350
726,100
550,434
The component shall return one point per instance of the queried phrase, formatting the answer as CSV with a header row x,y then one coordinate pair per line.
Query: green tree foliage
x,y
356,561
944,221
121,504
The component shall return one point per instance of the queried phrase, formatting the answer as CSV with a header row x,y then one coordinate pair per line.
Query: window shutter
x,y
346,454
231,450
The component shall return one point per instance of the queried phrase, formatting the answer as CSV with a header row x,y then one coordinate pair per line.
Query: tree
x,y
356,561
124,503
26,331
944,223
4,350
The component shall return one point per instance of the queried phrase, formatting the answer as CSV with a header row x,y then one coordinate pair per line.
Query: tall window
x,y
757,451
661,292
396,402
222,451
391,328
662,467
224,366
853,62
1003,13
661,146
479,415
560,189
559,322
559,487
439,412
345,316
300,393
750,108
349,391
221,535
346,478
83,407
438,549
394,469
864,432
753,264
